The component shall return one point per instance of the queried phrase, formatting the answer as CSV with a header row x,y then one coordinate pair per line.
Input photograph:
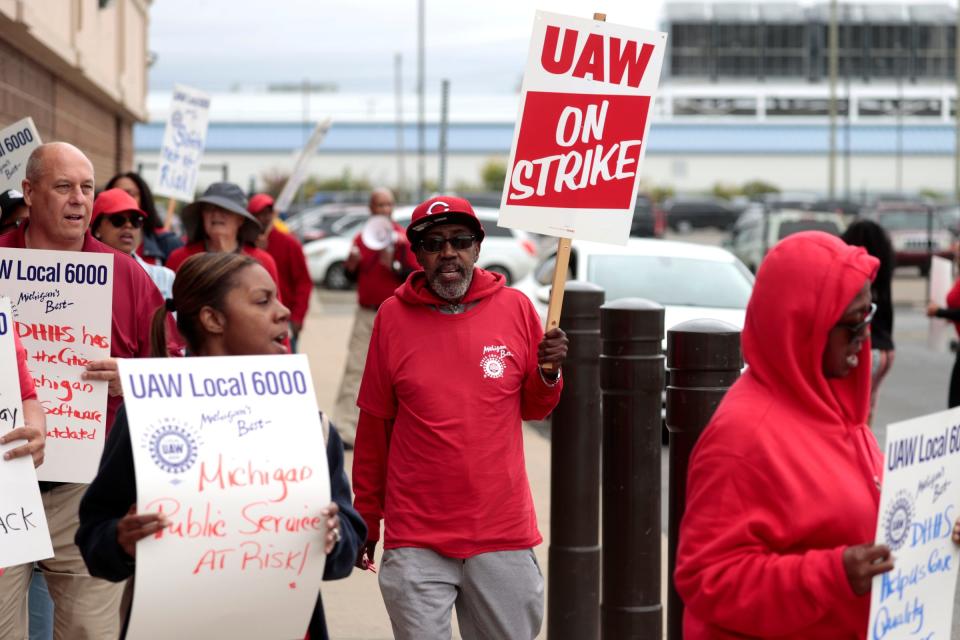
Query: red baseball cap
x,y
442,210
114,201
259,202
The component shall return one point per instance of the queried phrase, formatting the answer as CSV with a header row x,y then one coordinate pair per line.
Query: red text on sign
x,y
601,58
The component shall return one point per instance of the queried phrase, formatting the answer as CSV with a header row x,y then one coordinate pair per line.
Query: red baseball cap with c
x,y
442,210
114,201
259,202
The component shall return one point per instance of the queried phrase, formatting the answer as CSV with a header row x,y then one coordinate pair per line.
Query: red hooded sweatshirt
x,y
786,475
455,388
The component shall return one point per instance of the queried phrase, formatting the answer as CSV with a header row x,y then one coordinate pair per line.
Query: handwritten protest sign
x,y
62,302
24,536
184,140
584,116
302,165
918,507
941,280
232,451
17,142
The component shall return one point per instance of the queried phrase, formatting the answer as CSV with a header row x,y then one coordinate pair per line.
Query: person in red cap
x,y
118,222
378,271
456,362
286,251
58,188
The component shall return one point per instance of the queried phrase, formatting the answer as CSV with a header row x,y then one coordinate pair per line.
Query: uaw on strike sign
x,y
581,135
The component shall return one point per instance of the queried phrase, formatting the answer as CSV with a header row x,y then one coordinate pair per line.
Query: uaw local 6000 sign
x,y
232,451
62,302
580,138
918,507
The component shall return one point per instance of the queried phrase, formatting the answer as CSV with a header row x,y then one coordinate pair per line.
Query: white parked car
x,y
506,251
690,280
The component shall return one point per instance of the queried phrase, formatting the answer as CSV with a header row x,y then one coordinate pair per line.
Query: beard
x,y
451,291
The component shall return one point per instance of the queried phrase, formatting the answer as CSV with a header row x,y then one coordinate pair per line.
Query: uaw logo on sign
x,y
173,447
494,361
897,522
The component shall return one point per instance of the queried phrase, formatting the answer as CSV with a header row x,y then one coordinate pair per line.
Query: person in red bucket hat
x,y
456,363
118,221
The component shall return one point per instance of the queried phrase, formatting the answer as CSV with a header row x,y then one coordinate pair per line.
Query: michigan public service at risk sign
x,y
581,134
918,508
232,450
184,140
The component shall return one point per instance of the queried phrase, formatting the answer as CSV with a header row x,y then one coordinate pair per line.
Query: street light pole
x,y
833,33
421,102
956,112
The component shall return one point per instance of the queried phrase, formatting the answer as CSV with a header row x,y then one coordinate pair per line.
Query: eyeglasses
x,y
858,328
434,244
118,220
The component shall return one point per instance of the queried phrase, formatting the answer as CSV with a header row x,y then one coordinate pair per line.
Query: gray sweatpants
x,y
499,595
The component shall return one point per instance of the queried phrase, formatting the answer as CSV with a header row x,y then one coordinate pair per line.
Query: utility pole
x,y
899,166
444,125
421,102
956,113
832,46
398,92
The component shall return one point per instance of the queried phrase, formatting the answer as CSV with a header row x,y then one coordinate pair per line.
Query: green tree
x,y
756,188
493,173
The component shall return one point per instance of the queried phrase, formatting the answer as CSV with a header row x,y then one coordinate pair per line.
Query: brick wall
x,y
63,113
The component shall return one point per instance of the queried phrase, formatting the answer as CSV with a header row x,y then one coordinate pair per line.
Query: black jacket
x,y
114,489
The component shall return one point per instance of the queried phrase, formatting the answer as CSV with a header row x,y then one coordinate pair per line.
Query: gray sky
x,y
480,46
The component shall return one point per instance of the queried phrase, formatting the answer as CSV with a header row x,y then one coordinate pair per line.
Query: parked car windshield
x,y
907,220
672,281
795,226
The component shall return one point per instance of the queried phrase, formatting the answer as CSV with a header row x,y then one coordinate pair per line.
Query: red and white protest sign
x,y
584,117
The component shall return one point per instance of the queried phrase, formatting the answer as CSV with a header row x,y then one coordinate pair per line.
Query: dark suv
x,y
648,219
684,215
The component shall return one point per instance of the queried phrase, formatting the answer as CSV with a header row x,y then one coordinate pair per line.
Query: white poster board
x,y
941,280
918,507
24,536
17,142
299,173
232,451
585,109
63,303
184,140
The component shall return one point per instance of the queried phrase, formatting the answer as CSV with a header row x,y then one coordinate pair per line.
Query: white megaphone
x,y
377,233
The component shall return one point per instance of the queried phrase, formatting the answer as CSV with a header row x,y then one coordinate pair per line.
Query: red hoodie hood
x,y
415,289
787,325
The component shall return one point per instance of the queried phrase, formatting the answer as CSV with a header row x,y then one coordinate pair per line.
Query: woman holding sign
x,y
784,484
226,304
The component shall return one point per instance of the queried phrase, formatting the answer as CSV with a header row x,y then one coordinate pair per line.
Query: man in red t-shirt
x,y
286,251
455,364
58,187
378,272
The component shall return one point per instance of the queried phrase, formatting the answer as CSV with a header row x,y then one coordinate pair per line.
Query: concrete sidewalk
x,y
354,607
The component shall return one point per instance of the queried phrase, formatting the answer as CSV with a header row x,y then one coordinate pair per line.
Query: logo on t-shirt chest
x,y
494,361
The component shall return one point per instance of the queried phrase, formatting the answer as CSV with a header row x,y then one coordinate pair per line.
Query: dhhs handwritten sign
x,y
184,140
24,536
62,303
918,507
580,138
232,451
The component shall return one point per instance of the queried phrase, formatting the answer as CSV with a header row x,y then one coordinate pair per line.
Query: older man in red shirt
x,y
59,188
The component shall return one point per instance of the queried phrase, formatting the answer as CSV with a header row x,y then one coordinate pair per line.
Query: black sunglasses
x,y
860,327
119,219
434,244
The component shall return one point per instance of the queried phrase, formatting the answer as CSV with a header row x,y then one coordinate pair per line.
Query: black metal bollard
x,y
704,359
631,380
574,580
